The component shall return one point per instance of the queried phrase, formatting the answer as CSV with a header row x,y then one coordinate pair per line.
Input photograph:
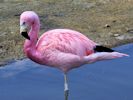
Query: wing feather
x,y
65,40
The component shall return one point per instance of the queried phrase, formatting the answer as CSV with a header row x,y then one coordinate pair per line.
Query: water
x,y
106,80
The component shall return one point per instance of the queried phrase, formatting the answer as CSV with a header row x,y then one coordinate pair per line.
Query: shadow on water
x,y
106,80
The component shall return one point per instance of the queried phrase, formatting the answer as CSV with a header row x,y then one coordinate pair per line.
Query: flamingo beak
x,y
23,31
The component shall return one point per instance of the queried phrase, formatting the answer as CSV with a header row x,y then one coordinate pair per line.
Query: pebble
x,y
130,30
107,25
120,37
114,21
116,35
124,37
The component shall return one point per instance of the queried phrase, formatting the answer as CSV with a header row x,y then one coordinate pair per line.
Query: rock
x,y
125,37
129,30
122,37
107,26
17,14
1,46
116,35
114,21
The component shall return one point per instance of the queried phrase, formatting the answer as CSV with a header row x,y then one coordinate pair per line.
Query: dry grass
x,y
87,16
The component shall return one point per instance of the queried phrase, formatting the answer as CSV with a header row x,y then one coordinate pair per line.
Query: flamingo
x,y
64,49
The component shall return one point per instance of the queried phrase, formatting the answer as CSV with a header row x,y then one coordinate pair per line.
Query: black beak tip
x,y
25,34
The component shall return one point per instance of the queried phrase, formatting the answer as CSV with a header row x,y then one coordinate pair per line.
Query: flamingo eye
x,y
23,23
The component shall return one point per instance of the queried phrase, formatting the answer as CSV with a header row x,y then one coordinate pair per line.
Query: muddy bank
x,y
107,22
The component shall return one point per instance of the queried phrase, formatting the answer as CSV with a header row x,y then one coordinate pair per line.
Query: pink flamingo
x,y
64,49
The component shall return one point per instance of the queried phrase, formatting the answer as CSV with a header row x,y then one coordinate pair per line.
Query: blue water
x,y
105,80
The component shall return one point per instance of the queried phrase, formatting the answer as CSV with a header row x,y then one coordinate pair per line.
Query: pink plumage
x,y
64,49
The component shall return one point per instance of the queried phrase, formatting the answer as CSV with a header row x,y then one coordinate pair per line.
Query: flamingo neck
x,y
33,34
30,45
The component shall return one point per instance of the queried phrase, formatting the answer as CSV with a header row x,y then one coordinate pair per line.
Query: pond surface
x,y
105,80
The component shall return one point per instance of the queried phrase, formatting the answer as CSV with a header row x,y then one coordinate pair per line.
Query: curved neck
x,y
30,45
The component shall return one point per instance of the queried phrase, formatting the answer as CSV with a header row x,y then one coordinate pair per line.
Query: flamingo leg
x,y
66,90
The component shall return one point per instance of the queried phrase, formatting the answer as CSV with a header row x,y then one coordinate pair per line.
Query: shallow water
x,y
105,80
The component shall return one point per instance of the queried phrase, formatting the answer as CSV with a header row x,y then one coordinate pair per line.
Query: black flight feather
x,y
100,48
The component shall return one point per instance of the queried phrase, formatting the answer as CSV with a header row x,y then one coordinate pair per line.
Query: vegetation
x,y
107,22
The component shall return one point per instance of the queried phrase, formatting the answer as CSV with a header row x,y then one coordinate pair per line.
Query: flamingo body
x,y
63,48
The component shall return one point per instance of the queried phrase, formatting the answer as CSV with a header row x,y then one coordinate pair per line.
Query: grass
x,y
87,16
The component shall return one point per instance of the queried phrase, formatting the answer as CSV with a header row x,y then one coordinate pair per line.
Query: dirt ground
x,y
107,22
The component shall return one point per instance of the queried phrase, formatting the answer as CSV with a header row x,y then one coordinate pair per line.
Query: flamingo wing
x,y
67,41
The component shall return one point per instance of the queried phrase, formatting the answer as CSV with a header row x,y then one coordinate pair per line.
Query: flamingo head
x,y
27,21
